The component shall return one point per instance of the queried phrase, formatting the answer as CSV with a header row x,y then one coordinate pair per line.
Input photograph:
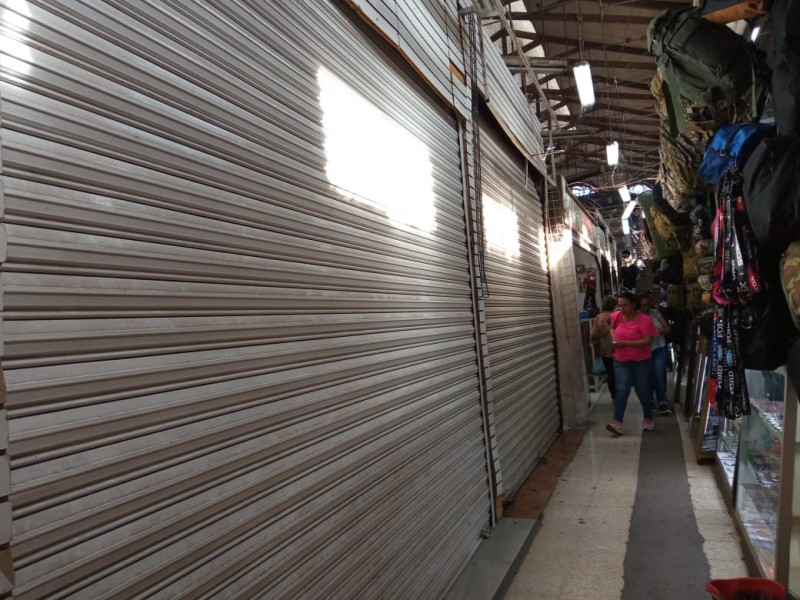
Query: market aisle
x,y
629,520
665,556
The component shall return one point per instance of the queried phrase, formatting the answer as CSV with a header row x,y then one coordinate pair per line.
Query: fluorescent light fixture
x,y
624,193
755,32
626,229
628,210
612,154
583,80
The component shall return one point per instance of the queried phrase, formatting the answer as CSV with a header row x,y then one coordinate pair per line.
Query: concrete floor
x,y
631,518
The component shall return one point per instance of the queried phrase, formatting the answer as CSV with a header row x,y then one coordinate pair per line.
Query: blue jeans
x,y
659,359
638,375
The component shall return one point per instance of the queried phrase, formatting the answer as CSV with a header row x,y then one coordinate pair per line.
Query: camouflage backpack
x,y
690,266
680,156
790,280
705,265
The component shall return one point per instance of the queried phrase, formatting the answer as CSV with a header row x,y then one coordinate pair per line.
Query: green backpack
x,y
704,62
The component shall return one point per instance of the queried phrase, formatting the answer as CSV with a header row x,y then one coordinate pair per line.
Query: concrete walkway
x,y
631,518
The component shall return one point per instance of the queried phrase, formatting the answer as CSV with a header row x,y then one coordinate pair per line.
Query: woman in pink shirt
x,y
633,334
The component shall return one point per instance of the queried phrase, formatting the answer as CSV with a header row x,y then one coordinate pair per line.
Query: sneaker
x,y
664,411
615,427
649,425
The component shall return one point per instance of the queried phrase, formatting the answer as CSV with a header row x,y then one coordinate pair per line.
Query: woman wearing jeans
x,y
659,356
633,334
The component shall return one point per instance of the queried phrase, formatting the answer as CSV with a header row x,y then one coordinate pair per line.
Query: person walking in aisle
x,y
590,285
603,342
632,334
659,353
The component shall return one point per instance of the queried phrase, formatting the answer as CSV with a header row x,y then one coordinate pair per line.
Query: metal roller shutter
x,y
518,311
225,377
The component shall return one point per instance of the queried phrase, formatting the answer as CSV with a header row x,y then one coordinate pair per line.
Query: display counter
x,y
756,465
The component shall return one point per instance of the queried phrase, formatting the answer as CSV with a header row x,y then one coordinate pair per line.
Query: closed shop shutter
x,y
236,365
518,311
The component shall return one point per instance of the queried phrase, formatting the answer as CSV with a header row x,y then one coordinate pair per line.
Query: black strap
x,y
739,282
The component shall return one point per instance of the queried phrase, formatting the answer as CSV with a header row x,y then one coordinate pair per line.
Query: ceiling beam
x,y
585,17
598,90
653,123
602,103
506,24
621,83
584,174
512,60
572,92
648,65
647,4
615,47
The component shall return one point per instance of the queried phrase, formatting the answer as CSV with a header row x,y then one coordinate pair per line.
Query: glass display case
x,y
764,458
728,451
703,422
689,360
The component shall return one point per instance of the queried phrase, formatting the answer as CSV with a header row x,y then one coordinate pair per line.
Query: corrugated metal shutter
x,y
225,379
518,311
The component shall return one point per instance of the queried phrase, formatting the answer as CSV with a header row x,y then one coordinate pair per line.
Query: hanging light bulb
x,y
583,80
612,154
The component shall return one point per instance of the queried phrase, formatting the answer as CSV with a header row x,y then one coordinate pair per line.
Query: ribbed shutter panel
x,y
225,378
518,312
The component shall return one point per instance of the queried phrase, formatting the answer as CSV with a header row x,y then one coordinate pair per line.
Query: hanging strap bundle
x,y
736,275
728,383
736,281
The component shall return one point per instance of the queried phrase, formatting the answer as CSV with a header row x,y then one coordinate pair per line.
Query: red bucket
x,y
746,588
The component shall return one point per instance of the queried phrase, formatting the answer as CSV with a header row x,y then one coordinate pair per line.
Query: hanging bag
x,y
772,191
767,331
703,62
785,20
730,147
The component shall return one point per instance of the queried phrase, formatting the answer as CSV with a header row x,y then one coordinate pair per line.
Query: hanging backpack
x,y
767,330
690,266
680,155
671,271
704,247
730,147
679,219
767,327
705,265
785,20
728,11
772,191
702,61
694,298
790,280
